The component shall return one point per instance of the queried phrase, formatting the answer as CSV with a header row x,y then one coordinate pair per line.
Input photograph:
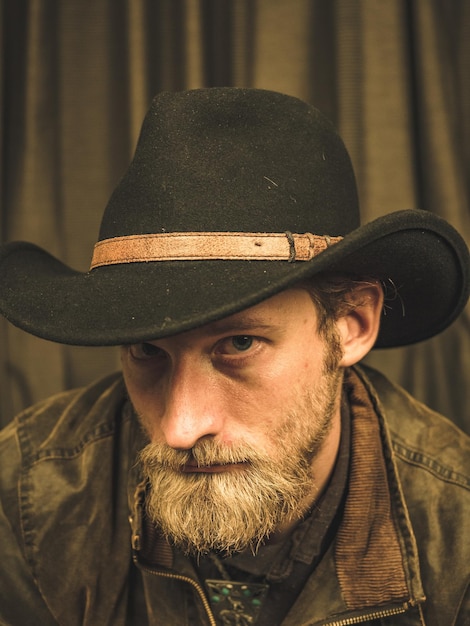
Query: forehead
x,y
289,307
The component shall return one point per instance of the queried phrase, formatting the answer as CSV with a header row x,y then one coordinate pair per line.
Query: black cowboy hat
x,y
211,217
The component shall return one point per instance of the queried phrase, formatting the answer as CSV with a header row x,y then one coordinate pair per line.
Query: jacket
x,y
71,520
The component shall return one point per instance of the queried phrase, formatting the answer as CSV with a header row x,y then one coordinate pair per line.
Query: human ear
x,y
358,328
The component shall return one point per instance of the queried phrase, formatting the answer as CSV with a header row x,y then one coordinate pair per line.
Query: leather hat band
x,y
191,246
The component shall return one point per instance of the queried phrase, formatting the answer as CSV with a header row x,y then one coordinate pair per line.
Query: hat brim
x,y
421,257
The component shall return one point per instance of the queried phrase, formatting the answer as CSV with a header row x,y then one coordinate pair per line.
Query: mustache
x,y
204,453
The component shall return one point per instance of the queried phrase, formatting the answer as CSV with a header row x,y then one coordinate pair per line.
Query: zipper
x,y
185,579
349,621
136,522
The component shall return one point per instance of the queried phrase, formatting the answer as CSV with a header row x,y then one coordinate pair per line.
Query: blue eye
x,y
242,342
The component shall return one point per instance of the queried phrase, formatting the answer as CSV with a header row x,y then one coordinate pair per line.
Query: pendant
x,y
236,604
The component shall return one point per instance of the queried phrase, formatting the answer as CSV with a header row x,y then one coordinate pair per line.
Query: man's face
x,y
243,421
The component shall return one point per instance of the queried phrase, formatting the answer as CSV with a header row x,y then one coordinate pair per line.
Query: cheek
x,y
143,390
147,408
140,377
303,367
277,384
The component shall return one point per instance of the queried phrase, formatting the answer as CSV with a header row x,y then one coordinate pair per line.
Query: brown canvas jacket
x,y
70,520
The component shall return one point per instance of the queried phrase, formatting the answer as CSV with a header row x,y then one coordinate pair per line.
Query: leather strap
x,y
191,246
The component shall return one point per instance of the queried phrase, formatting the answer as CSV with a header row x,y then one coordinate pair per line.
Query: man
x,y
244,469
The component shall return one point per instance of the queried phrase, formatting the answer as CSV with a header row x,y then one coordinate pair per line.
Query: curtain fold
x,y
77,78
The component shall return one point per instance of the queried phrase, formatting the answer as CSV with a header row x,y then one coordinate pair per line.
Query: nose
x,y
190,410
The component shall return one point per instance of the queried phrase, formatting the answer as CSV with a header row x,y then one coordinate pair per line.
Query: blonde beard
x,y
235,510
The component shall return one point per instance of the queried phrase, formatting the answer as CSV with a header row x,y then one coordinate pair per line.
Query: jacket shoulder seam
x,y
430,464
100,432
66,407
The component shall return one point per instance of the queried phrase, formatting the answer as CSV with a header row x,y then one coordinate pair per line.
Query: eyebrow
x,y
238,324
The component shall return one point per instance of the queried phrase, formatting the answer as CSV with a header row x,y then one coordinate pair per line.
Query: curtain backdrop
x,y
78,75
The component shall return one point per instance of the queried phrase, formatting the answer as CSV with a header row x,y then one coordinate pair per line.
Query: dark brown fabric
x,y
77,77
367,540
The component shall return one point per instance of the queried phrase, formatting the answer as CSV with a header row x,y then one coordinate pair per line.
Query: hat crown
x,y
226,159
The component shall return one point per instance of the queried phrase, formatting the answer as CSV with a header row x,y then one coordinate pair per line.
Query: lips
x,y
193,468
